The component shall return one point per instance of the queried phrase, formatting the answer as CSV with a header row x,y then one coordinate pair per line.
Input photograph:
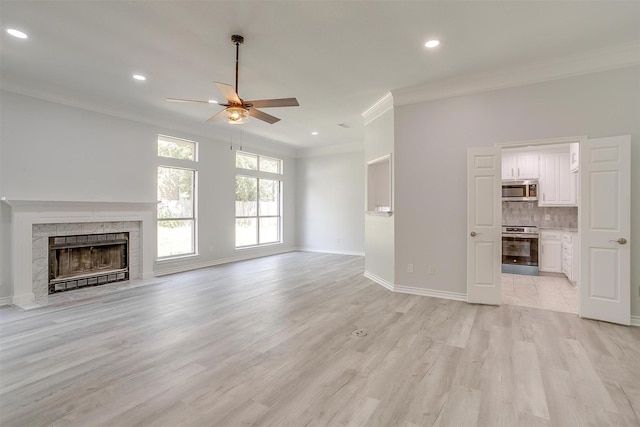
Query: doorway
x,y
540,225
602,269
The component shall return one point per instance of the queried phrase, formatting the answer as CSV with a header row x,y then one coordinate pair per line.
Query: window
x,y
258,200
176,197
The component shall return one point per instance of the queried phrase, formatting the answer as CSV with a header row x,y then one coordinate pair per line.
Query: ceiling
x,y
337,57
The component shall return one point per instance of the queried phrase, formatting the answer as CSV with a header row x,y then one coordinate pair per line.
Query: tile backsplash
x,y
529,213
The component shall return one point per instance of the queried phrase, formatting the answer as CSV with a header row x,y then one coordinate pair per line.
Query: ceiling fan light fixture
x,y
237,115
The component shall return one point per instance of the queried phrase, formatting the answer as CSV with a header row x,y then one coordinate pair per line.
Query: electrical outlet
x,y
431,270
409,268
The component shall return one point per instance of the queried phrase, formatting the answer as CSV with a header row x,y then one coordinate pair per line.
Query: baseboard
x,y
5,301
456,296
379,280
181,268
330,251
635,320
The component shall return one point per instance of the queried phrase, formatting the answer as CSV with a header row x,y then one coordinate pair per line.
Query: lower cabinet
x,y
557,254
570,258
550,254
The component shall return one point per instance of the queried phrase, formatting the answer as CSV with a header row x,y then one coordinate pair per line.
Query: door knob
x,y
474,234
621,240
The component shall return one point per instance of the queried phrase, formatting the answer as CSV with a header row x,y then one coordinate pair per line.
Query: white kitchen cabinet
x,y
519,166
557,184
550,256
570,257
574,157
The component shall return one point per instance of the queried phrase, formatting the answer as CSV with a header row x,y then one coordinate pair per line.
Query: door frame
x,y
553,141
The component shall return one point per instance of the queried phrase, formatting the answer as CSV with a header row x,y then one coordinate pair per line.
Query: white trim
x,y
5,301
541,142
180,268
380,107
434,293
456,296
329,251
379,280
621,56
635,321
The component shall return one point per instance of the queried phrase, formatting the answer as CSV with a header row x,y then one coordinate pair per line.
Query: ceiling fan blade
x,y
186,100
263,116
229,93
282,102
218,116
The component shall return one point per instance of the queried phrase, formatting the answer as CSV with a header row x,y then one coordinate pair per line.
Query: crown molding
x,y
380,107
590,62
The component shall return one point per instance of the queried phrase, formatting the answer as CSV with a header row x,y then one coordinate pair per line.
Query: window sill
x,y
379,213
176,258
266,245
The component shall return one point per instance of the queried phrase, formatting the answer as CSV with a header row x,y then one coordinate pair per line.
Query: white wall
x,y
379,230
331,203
431,141
56,152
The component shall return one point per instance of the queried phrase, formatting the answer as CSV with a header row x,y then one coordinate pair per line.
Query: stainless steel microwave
x,y
519,191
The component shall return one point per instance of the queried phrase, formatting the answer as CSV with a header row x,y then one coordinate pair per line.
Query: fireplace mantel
x,y
26,213
62,205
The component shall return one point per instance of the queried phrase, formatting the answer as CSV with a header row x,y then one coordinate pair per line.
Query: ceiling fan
x,y
237,110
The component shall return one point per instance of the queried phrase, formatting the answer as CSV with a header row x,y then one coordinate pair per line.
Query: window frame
x,y
259,175
179,164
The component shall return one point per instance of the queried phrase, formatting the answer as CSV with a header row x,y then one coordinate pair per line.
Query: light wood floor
x,y
269,342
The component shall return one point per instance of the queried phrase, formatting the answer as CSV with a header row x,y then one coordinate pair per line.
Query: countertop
x,y
571,230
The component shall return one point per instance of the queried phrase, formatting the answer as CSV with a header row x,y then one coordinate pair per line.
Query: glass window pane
x,y
246,196
175,192
246,161
175,238
176,148
269,230
269,197
246,232
267,164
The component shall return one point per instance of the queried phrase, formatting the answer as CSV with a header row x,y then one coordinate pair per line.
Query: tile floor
x,y
545,292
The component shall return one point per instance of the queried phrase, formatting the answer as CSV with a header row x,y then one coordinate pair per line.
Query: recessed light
x,y
17,33
432,43
139,77
213,101
314,133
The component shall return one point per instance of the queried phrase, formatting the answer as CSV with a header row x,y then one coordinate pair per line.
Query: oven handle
x,y
521,235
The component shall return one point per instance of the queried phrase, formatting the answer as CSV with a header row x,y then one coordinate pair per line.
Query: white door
x,y
605,229
484,225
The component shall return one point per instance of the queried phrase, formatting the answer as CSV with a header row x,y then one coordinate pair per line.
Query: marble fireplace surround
x,y
32,222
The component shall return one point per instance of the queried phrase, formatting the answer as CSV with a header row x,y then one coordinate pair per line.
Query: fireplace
x,y
87,260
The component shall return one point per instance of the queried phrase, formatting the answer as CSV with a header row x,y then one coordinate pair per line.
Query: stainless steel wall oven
x,y
520,250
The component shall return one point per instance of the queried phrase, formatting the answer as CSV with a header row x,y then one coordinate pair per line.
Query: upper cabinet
x,y
574,156
557,184
519,166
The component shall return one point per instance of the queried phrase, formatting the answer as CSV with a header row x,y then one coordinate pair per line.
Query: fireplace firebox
x,y
87,260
